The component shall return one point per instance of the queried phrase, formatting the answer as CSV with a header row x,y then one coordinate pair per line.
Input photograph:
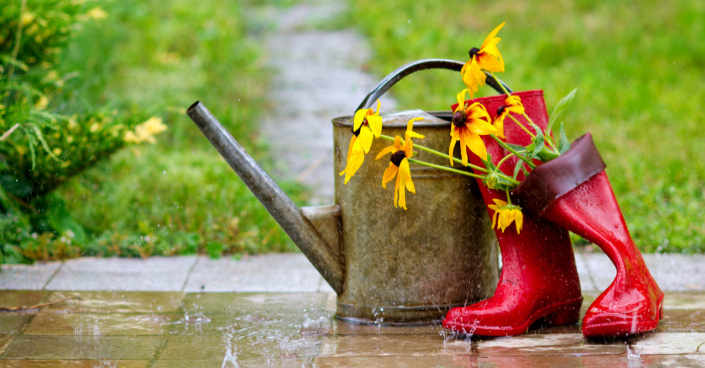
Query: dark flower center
x,y
473,51
356,132
397,157
459,118
500,110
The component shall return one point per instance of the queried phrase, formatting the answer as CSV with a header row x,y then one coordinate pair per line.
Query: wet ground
x,y
275,311
176,329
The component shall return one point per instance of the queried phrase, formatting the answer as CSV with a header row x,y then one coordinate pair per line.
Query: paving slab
x,y
268,273
131,274
27,277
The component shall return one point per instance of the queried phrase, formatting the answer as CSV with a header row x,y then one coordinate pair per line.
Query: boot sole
x,y
623,328
563,313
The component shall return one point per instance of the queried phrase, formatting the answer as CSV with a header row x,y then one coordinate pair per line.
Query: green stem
x,y
510,149
509,200
499,164
441,154
521,125
445,168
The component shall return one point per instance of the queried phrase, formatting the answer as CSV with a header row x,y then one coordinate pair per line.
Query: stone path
x,y
319,76
280,273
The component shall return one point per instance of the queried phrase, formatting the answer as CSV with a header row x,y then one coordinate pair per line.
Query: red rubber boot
x,y
580,199
539,279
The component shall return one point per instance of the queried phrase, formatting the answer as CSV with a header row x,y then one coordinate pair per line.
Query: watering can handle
x,y
404,70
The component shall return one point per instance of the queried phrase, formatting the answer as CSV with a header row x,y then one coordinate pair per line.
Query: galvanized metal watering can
x,y
387,265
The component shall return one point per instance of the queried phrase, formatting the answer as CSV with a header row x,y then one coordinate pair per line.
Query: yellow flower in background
x,y
97,13
145,131
505,214
399,164
366,125
487,57
511,104
42,103
468,124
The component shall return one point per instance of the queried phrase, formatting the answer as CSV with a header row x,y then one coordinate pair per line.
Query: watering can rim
x,y
347,120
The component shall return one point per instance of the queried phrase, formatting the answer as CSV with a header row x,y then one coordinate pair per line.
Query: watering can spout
x,y
313,229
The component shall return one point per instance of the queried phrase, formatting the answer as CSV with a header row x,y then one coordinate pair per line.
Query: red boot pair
x,y
539,279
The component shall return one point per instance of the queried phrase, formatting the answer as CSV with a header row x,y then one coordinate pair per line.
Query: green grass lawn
x,y
176,196
638,68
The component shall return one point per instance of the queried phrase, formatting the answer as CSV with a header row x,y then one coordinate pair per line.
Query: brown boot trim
x,y
553,179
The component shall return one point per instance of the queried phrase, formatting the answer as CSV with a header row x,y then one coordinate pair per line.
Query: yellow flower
x,y
145,131
487,57
399,164
42,103
505,214
511,104
356,156
467,127
366,124
97,13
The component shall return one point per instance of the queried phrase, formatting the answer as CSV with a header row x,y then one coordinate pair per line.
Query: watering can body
x,y
388,266
406,266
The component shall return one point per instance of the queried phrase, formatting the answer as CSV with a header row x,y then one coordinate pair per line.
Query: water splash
x,y
633,356
315,326
230,357
106,364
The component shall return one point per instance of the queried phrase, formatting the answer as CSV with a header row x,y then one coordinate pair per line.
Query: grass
x,y
177,196
638,70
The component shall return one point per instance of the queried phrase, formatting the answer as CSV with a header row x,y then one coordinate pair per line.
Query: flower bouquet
x,y
536,188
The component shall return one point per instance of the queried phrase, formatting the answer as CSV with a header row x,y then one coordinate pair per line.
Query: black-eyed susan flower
x,y
399,165
511,104
366,125
487,57
468,124
506,213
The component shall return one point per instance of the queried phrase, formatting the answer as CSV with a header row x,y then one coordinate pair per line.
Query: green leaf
x,y
16,186
539,143
564,145
518,148
518,167
546,154
560,108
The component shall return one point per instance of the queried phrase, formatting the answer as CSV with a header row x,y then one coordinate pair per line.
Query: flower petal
x,y
359,118
365,138
375,123
355,160
460,97
492,35
473,76
480,127
385,150
405,171
389,174
453,140
519,221
463,145
475,144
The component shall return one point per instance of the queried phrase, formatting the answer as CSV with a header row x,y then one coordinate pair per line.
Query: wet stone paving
x,y
177,329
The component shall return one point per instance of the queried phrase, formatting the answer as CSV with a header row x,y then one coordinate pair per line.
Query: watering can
x,y
388,266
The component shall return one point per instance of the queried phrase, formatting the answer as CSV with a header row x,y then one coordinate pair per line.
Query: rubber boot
x,y
539,280
582,201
